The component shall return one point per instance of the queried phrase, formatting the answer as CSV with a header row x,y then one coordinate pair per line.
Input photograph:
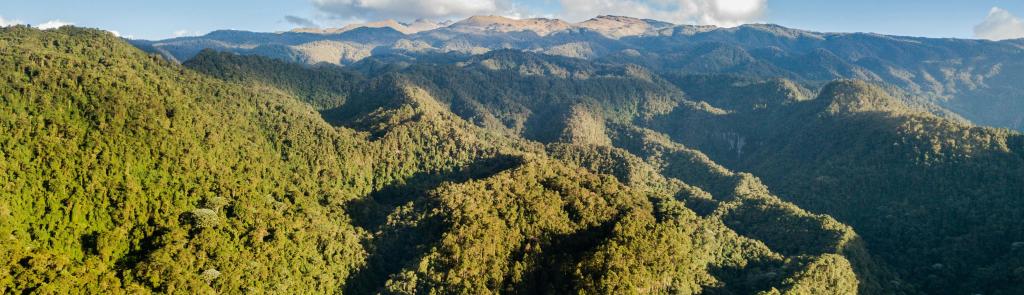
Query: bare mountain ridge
x,y
417,26
608,25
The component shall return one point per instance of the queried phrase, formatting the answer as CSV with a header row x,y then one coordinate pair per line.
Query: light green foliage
x,y
109,154
828,274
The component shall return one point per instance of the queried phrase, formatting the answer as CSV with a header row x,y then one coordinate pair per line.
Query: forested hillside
x,y
937,198
934,197
126,173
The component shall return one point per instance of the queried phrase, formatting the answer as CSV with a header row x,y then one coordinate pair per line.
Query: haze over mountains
x,y
611,26
492,155
973,79
405,28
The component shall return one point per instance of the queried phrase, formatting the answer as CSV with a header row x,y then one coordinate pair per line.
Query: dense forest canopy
x,y
503,171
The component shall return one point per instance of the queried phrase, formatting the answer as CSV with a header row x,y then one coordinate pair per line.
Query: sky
x,y
985,19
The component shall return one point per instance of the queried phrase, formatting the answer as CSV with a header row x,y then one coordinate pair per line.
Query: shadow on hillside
x,y
555,261
371,212
1017,145
754,277
394,248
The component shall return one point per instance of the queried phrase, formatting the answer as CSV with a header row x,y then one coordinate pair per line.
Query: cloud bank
x,y
53,24
408,9
8,22
300,21
184,33
706,12
1000,25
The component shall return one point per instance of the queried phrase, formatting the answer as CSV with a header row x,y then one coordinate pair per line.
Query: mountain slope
x,y
404,28
123,171
935,197
127,173
974,79
739,202
922,189
507,171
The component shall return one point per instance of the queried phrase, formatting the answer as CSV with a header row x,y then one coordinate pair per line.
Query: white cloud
x,y
705,12
184,33
1000,25
708,12
410,9
119,35
718,12
8,22
53,24
300,21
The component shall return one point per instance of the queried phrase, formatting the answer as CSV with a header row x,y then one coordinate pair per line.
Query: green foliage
x,y
921,189
543,98
323,86
506,172
828,274
125,171
737,93
433,235
122,171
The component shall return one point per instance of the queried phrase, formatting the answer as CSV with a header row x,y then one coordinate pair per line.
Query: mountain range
x,y
493,155
972,79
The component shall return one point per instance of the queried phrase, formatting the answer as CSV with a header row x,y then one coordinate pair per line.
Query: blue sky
x,y
163,19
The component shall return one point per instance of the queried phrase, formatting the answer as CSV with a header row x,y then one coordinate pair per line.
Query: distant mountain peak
x,y
611,26
501,24
623,26
620,18
487,19
405,28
